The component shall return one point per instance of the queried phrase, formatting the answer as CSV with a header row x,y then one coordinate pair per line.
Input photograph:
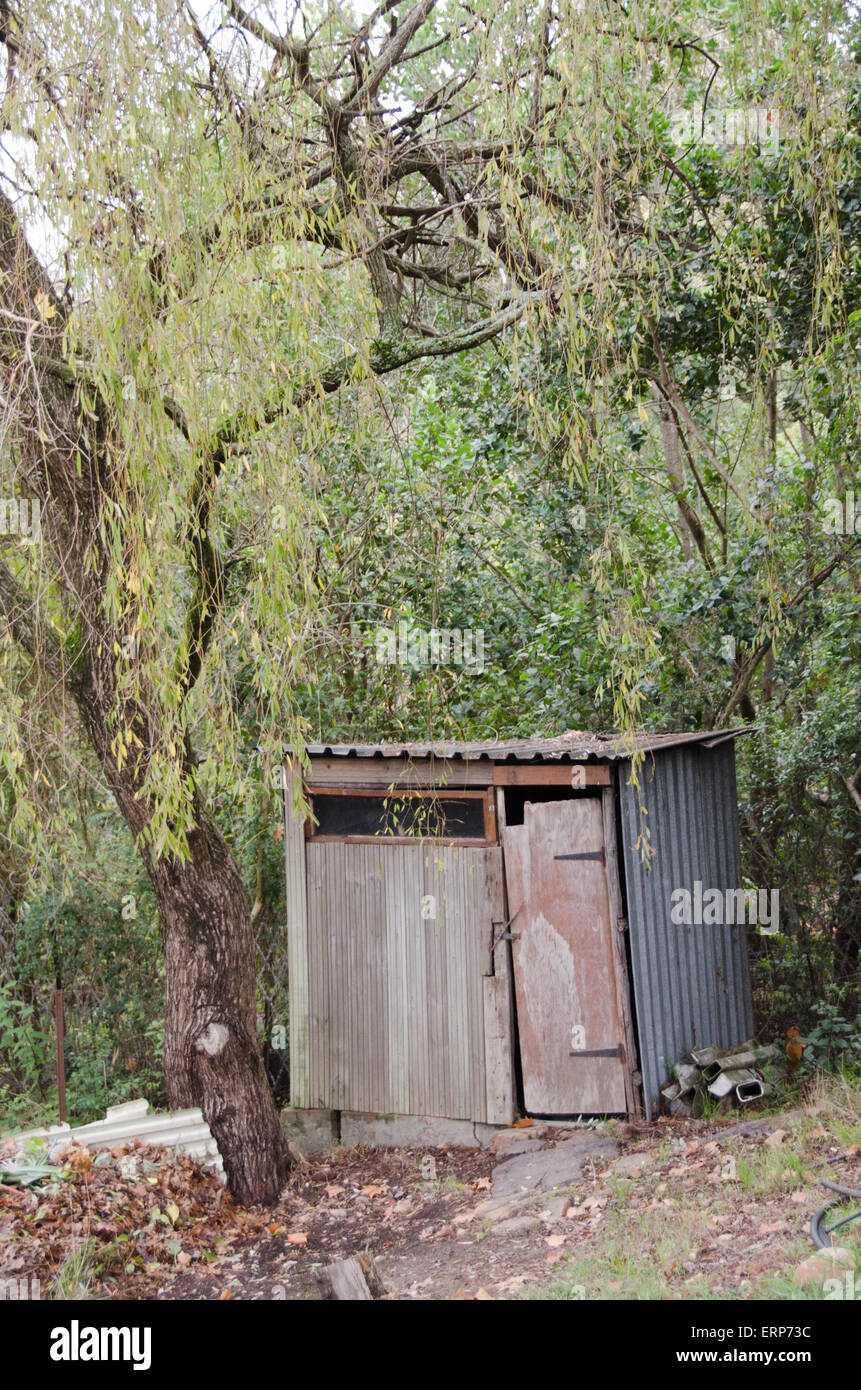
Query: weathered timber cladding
x,y
397,1000
398,1012
691,983
565,962
297,945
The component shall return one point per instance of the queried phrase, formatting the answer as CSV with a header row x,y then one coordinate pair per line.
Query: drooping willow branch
x,y
751,664
235,433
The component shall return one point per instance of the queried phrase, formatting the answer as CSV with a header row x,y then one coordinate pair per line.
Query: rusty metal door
x,y
571,1038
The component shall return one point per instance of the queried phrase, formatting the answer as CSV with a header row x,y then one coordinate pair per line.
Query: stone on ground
x,y
553,1167
822,1265
629,1165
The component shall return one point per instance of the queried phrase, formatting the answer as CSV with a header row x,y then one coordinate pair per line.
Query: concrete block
x,y
688,1078
312,1131
702,1056
726,1081
728,1061
411,1131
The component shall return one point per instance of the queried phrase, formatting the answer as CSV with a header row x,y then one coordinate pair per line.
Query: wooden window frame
x,y
555,775
485,795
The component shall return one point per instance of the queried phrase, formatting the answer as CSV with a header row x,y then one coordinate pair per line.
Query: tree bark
x,y
211,1054
672,459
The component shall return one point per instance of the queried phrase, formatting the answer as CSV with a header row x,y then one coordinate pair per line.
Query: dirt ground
x,y
704,1211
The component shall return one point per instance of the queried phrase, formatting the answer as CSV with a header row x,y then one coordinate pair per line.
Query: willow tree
x,y
214,226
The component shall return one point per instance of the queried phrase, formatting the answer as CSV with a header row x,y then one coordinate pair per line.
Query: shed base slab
x,y
412,1131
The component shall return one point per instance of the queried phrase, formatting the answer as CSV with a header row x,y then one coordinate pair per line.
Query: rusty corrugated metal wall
x,y
691,984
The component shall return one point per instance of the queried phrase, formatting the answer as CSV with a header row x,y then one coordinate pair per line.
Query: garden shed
x,y
475,933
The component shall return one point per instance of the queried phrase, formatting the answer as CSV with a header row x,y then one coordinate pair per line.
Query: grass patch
x,y
631,1261
734,1226
77,1271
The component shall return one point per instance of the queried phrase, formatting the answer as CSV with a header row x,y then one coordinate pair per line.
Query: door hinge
x,y
589,854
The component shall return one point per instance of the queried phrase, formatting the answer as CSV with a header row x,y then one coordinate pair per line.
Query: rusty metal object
x,y
574,746
59,1017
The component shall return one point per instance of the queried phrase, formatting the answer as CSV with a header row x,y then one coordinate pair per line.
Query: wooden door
x,y
571,1038
403,991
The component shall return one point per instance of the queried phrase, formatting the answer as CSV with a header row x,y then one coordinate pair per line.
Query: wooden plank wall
x,y
623,992
394,772
297,945
397,1002
499,1006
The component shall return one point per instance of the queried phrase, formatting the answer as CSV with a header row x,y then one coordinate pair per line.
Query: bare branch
x,y
691,524
392,52
383,358
670,388
298,53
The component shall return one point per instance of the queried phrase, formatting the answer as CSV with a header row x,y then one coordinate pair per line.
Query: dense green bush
x,y
109,965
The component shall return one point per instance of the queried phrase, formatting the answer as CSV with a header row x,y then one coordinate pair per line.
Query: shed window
x,y
396,815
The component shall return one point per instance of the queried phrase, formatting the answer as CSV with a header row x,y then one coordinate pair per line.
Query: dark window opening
x,y
399,816
517,797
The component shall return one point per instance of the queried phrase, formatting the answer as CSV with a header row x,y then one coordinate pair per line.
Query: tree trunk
x,y
211,1055
672,459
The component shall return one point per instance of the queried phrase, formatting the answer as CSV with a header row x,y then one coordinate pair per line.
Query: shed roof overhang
x,y
570,747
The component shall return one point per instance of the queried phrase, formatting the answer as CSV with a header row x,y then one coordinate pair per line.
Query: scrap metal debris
x,y
732,1076
34,1156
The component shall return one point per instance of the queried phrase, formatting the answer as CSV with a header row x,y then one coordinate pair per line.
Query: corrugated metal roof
x,y
571,747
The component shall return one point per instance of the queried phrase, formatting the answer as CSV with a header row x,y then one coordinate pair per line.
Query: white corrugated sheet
x,y
185,1130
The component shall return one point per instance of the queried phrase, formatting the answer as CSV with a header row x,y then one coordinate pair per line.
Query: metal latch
x,y
618,1052
504,934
